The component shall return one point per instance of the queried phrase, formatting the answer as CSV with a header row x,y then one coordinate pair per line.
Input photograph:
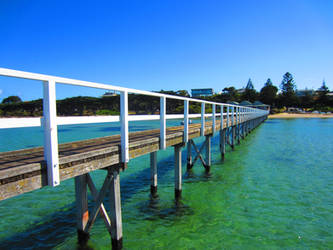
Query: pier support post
x,y
222,142
82,208
238,133
189,155
115,204
208,152
178,171
233,130
153,174
243,130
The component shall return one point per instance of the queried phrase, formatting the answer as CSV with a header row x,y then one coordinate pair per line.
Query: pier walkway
x,y
26,170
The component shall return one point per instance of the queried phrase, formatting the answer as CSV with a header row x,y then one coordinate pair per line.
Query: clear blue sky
x,y
169,45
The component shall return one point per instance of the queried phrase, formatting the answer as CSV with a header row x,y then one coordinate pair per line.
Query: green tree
x,y
250,94
268,93
11,99
183,93
288,91
306,100
229,94
322,95
249,84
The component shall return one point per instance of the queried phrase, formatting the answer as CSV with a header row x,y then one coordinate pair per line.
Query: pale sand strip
x,y
287,115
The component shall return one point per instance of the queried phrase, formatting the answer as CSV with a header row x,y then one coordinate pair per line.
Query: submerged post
x,y
208,152
222,143
178,171
115,204
153,173
189,155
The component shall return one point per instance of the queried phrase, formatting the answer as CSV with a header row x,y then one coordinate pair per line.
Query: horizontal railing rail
x,y
234,114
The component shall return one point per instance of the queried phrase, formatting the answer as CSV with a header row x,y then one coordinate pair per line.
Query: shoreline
x,y
291,116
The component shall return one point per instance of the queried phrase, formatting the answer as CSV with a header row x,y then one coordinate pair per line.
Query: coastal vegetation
x,y
288,96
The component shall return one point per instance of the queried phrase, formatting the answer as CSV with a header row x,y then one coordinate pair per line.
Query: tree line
x,y
140,104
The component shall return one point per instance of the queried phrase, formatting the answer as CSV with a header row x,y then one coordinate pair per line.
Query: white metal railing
x,y
50,120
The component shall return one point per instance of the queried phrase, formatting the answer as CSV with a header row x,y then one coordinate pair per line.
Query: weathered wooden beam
x,y
102,209
81,208
98,203
199,153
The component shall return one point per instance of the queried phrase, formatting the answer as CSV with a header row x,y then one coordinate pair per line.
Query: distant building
x,y
202,92
109,93
256,104
304,92
245,103
240,91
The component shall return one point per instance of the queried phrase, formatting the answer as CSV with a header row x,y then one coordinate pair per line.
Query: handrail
x,y
50,120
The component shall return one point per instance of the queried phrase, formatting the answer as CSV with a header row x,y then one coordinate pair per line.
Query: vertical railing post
x,y
221,118
228,118
202,119
51,133
186,121
124,126
213,118
163,122
233,115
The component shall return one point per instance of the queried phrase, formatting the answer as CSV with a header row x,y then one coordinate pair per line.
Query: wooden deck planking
x,y
25,170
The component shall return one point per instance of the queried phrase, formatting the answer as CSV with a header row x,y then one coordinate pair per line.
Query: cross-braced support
x,y
205,162
86,219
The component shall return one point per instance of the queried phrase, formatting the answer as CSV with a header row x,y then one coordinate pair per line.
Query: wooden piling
x,y
115,204
222,142
153,173
189,155
233,131
82,208
238,133
178,171
208,159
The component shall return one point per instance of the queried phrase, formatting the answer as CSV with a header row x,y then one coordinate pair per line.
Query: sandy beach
x,y
289,115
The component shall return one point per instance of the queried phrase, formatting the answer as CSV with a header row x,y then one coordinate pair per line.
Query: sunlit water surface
x,y
274,191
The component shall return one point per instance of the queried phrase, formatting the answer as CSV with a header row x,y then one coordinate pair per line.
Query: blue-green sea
x,y
274,191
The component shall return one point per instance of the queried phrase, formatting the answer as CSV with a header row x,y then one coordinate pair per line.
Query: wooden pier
x,y
22,171
26,170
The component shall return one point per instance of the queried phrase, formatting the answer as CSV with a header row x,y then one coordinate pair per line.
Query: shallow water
x,y
274,191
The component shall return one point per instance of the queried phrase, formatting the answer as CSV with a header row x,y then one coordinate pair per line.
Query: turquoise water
x,y
274,191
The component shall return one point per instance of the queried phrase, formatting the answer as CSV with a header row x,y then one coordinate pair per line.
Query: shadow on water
x,y
153,210
54,229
